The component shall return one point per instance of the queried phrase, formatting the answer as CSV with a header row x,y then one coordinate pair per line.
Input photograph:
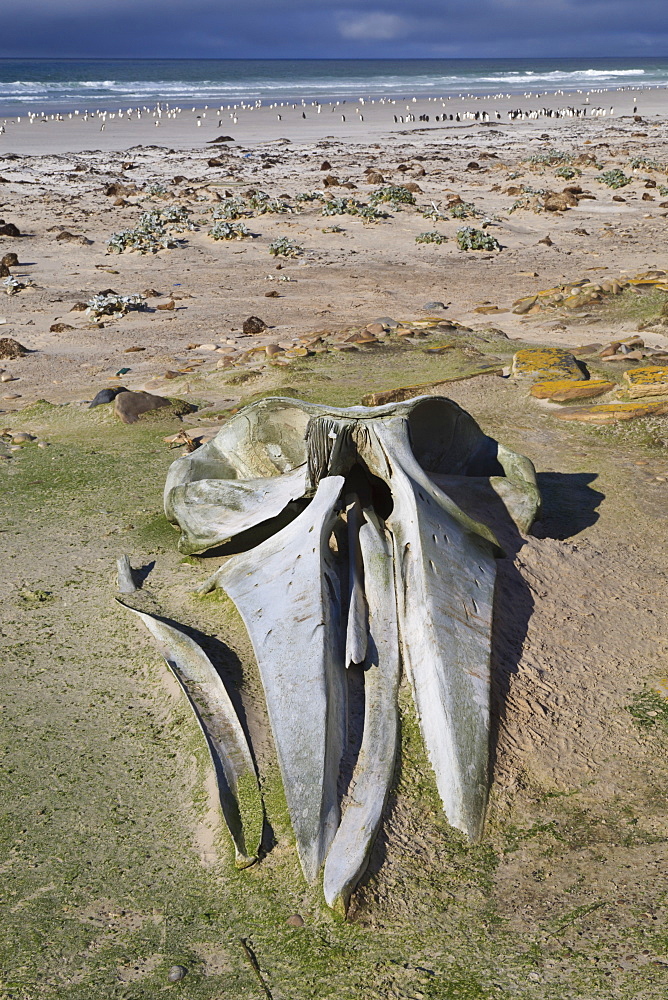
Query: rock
x,y
129,405
522,306
4,270
9,229
167,306
10,348
106,396
489,310
271,350
254,325
561,390
150,293
331,181
650,380
10,260
610,413
428,306
177,973
555,202
610,350
546,363
60,327
618,197
295,920
546,240
66,237
325,165
587,349
425,389
273,294
7,377
22,437
376,329
373,177
413,187
79,307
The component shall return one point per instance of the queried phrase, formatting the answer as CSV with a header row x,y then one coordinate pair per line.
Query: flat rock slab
x,y
425,389
561,390
650,380
610,413
130,405
546,363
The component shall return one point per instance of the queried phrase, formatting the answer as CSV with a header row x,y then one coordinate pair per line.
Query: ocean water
x,y
69,84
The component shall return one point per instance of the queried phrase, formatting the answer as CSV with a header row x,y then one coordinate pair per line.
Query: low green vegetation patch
x,y
431,237
229,231
649,710
614,178
469,238
283,247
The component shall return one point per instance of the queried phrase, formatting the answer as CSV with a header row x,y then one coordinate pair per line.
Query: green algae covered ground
x,y
115,865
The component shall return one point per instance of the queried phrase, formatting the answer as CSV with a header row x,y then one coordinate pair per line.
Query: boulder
x,y
562,390
648,380
546,364
130,405
254,325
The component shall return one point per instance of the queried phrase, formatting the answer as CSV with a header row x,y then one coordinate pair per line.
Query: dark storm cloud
x,y
325,28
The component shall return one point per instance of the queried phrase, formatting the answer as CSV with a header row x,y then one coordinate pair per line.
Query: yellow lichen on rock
x,y
546,363
561,390
609,413
649,380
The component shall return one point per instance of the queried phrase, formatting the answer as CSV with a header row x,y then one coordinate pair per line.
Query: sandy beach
x,y
54,177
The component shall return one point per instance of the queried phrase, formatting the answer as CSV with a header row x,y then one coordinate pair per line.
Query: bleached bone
x,y
235,771
381,567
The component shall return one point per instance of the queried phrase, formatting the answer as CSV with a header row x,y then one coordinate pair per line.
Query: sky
x,y
330,29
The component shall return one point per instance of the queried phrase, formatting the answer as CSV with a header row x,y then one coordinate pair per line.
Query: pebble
x,y
7,377
177,973
295,920
207,347
434,305
14,396
21,437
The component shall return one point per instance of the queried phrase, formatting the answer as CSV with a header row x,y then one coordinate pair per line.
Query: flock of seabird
x,y
165,112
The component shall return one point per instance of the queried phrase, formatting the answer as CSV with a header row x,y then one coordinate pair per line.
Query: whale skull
x,y
355,557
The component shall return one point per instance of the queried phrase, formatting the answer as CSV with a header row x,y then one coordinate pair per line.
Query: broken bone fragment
x,y
364,547
231,756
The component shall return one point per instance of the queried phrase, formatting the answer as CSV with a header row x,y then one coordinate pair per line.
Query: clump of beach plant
x,y
153,232
261,203
113,305
229,231
340,206
394,194
614,178
283,247
567,173
549,158
431,237
155,190
310,196
469,238
464,210
174,217
332,229
229,208
433,214
663,190
643,162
